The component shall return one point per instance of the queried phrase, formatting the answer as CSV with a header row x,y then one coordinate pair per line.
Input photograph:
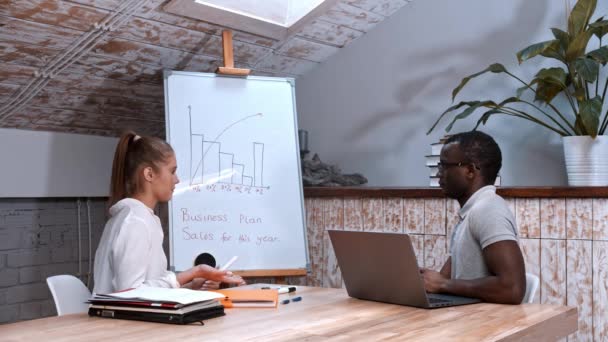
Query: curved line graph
x,y
226,158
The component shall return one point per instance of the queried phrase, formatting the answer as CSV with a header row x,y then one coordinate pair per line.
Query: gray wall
x,y
368,107
53,164
39,239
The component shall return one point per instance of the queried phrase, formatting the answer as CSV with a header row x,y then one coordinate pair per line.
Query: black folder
x,y
160,317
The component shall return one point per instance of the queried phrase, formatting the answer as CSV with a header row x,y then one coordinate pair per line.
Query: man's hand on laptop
x,y
434,282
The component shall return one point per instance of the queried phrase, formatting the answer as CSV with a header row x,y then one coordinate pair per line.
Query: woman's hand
x,y
219,276
202,284
196,277
210,285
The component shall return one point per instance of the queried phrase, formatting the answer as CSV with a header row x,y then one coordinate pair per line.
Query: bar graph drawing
x,y
210,164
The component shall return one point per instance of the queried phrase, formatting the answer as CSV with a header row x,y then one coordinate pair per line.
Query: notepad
x,y
249,298
160,295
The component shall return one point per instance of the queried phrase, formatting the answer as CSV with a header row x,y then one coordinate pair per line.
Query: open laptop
x,y
382,267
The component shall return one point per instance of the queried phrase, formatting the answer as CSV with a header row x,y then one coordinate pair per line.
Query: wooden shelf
x,y
545,192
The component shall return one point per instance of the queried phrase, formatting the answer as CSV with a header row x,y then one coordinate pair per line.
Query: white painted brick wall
x,y
38,239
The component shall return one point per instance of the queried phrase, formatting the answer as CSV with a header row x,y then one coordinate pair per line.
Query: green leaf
x,y
546,91
578,45
485,116
550,82
587,68
600,27
468,112
579,93
509,100
495,68
554,51
538,49
580,15
590,115
553,75
450,109
563,37
521,90
600,55
579,128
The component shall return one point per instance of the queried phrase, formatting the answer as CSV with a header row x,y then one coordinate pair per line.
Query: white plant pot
x,y
586,160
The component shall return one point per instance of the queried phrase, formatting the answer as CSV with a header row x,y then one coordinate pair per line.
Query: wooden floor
x,y
323,314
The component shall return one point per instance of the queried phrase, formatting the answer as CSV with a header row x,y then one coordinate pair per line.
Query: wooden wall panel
x,y
83,122
553,272
353,17
353,210
38,34
16,74
101,105
17,52
580,286
314,217
373,220
600,290
553,218
600,219
530,249
382,7
572,271
579,221
328,33
56,13
333,218
452,219
279,64
418,242
37,31
435,251
393,215
434,216
527,216
413,216
307,50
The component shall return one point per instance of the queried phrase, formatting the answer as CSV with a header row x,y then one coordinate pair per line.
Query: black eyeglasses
x,y
445,165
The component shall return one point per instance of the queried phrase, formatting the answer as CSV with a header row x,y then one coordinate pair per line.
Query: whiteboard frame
x,y
291,81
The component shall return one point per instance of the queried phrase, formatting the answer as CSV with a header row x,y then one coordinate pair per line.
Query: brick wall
x,y
39,239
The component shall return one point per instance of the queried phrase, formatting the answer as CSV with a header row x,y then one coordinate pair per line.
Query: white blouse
x,y
130,252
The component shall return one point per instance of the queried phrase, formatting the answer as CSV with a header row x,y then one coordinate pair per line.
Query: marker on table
x,y
287,301
229,263
287,289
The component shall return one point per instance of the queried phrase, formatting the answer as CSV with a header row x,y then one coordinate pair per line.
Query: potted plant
x,y
578,78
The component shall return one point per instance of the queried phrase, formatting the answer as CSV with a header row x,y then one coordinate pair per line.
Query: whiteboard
x,y
240,191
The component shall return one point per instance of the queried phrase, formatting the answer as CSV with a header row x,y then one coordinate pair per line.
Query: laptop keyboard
x,y
438,301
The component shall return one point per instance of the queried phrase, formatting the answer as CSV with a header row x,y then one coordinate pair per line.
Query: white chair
x,y
532,282
69,293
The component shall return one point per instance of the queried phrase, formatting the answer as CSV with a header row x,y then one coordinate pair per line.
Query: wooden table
x,y
323,314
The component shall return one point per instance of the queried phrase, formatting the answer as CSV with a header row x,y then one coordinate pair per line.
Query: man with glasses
x,y
485,259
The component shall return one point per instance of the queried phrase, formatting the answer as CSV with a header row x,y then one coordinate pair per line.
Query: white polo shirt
x,y
484,219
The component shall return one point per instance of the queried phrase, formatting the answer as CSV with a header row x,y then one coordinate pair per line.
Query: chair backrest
x,y
531,287
69,293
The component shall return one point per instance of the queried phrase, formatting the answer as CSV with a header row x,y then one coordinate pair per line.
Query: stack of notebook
x,y
177,306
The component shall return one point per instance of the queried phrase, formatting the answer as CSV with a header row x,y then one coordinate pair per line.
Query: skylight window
x,y
268,18
280,12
